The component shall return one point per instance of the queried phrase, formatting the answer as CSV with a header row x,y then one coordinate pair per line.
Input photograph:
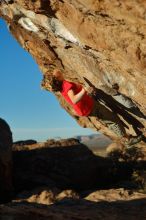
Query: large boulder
x,y
6,187
103,42
65,164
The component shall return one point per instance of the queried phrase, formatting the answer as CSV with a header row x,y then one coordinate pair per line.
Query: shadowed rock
x,y
63,180
65,164
26,142
5,162
76,209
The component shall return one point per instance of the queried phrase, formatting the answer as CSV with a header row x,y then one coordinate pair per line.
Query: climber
x,y
122,100
83,103
126,102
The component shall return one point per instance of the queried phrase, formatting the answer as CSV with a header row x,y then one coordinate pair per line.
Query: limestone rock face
x,y
5,162
102,41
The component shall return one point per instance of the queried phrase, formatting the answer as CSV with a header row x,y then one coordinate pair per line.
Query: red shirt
x,y
85,105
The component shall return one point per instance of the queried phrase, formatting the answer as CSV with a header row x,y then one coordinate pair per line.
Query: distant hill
x,y
94,141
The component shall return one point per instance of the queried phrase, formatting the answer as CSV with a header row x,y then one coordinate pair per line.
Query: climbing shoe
x,y
133,140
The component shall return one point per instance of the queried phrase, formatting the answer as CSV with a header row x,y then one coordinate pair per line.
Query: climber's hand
x,y
89,89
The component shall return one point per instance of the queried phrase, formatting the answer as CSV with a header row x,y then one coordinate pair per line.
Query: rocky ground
x,y
65,180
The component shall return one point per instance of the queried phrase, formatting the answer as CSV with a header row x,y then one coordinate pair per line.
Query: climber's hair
x,y
51,83
56,84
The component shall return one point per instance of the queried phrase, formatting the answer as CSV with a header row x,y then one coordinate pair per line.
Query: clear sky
x,y
31,112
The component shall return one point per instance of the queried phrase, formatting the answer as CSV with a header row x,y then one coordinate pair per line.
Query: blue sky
x,y
30,111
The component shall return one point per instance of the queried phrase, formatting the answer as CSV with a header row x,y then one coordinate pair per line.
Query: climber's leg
x,y
113,122
109,119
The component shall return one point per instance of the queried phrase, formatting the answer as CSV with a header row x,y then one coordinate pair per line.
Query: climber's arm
x,y
76,97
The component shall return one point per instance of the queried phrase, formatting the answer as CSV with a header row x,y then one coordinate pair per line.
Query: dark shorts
x,y
109,118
